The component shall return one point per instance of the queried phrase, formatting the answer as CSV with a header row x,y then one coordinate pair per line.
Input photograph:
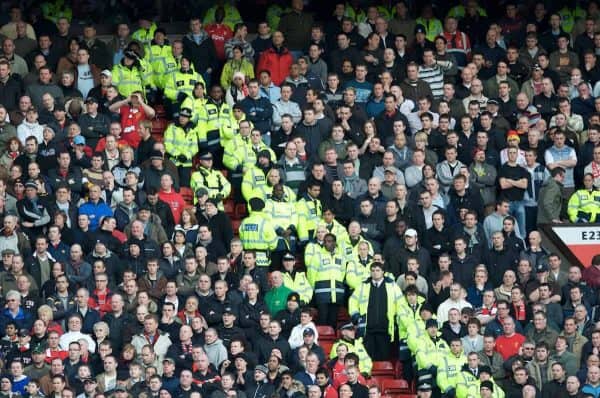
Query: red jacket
x,y
278,63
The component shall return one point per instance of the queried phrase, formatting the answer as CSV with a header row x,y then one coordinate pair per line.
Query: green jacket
x,y
276,298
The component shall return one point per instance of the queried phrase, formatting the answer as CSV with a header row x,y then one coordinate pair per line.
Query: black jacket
x,y
202,55
10,93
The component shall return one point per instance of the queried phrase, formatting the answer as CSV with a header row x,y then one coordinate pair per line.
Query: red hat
x,y
512,134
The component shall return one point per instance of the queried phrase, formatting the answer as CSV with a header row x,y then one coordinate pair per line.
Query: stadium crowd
x,y
284,214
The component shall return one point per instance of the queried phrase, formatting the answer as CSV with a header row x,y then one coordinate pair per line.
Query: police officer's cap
x,y
187,112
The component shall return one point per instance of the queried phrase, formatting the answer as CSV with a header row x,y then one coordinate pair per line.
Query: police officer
x,y
217,123
180,84
584,204
296,280
284,217
326,272
258,233
449,368
310,210
212,180
127,75
254,182
355,345
181,144
160,56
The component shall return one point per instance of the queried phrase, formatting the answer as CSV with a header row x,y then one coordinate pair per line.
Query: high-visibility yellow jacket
x,y
359,302
161,60
338,230
326,273
217,125
213,180
258,233
584,206
181,140
356,273
351,247
240,154
449,371
310,212
428,351
467,386
298,282
407,317
254,183
145,36
181,82
197,106
232,15
356,346
127,79
282,213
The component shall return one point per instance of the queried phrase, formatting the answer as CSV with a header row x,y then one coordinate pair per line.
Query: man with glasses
x,y
593,167
495,327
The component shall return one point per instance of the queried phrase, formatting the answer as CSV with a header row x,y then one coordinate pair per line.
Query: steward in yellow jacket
x,y
258,233
254,182
373,307
219,125
326,272
128,75
309,210
180,84
429,348
584,204
284,216
160,57
450,367
196,102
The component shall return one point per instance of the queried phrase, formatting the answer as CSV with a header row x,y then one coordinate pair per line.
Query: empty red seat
x,y
398,369
235,224
240,210
395,386
383,369
229,207
187,195
326,333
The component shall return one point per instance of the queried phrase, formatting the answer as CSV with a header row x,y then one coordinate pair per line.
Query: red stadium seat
x,y
383,369
398,369
326,333
395,386
326,346
235,224
229,207
240,211
187,195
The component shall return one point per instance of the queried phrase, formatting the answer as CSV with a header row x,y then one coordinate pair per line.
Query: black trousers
x,y
378,345
328,313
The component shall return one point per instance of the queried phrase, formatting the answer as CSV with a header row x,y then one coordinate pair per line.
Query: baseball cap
x,y
293,297
228,311
156,155
169,359
308,332
261,368
419,28
79,140
31,184
411,232
390,169
23,332
91,99
541,268
106,72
